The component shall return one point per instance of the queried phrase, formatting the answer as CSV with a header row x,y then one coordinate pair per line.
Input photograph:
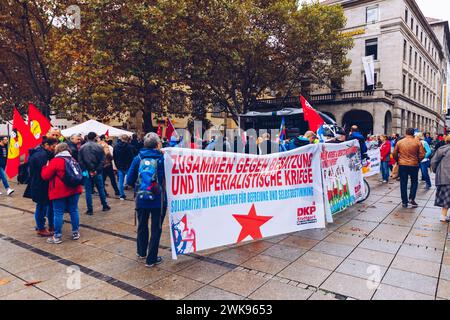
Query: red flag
x,y
159,132
311,115
38,123
107,133
20,141
170,129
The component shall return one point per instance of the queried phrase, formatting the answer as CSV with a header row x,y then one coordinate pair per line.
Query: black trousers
x,y
143,244
108,172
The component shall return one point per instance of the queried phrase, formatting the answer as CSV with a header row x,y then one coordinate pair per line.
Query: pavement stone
x,y
411,281
239,282
387,292
349,286
275,290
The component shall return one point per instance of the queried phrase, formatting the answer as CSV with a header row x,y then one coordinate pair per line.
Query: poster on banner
x,y
219,198
343,182
373,164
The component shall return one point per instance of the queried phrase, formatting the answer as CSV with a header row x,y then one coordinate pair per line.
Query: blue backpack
x,y
148,186
73,176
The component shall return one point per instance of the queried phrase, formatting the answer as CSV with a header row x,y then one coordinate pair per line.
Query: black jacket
x,y
3,156
37,188
73,149
91,157
123,155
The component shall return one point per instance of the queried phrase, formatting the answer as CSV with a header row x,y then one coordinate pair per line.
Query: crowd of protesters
x,y
59,168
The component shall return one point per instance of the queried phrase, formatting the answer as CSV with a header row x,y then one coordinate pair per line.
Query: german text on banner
x,y
218,198
342,176
373,165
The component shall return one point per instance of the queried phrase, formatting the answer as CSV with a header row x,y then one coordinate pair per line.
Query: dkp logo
x,y
73,13
74,280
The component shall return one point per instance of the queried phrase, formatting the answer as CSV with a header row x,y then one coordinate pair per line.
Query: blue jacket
x,y
427,148
297,142
133,174
362,144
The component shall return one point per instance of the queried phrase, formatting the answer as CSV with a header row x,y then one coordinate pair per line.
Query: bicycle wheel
x,y
367,191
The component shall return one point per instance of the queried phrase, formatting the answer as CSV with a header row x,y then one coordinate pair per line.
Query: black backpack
x,y
24,174
73,176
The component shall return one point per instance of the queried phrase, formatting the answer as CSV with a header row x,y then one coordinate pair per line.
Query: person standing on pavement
x,y
409,152
108,169
91,158
3,160
123,157
64,197
147,170
425,163
385,151
74,144
440,164
37,188
355,134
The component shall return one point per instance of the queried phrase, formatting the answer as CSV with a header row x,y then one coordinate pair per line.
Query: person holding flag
x,y
3,159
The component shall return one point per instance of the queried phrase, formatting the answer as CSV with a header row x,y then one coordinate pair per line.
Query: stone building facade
x,y
411,66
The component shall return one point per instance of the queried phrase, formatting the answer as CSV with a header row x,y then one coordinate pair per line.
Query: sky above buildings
x,y
439,9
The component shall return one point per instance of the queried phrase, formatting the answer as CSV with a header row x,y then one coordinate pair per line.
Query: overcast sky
x,y
439,9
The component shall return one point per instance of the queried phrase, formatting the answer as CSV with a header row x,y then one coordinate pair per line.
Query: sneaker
x,y
140,257
446,219
385,181
54,240
90,213
158,261
10,191
413,204
75,235
106,208
404,205
44,233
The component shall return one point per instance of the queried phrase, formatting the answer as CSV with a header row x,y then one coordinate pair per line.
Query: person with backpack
x,y
123,154
355,134
91,158
385,152
37,188
147,170
65,179
3,160
425,163
440,164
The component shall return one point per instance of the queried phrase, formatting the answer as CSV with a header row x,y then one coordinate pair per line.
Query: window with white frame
x,y
372,14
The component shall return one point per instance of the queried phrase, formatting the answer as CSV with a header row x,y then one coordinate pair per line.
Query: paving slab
x,y
284,252
212,293
266,264
320,260
410,281
349,286
275,290
373,257
173,287
361,269
239,282
387,292
304,273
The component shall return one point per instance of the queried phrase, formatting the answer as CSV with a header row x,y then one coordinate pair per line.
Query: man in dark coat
x,y
123,157
74,144
37,188
3,160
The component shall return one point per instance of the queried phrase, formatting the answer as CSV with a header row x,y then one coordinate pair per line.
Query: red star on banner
x,y
251,224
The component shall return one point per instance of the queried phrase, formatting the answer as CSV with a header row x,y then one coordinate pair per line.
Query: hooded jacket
x,y
362,144
37,188
133,173
54,173
123,155
297,142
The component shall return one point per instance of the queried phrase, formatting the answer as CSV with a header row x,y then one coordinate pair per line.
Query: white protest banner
x,y
218,198
342,176
373,164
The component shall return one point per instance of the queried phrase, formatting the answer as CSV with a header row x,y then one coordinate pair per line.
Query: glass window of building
x,y
370,88
415,61
420,65
406,15
417,30
372,48
412,23
405,45
409,87
410,55
372,14
404,84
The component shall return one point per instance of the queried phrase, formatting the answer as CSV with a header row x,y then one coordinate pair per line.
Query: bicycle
x,y
366,193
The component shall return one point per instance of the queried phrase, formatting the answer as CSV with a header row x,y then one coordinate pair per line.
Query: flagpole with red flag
x,y
311,115
170,129
21,140
38,123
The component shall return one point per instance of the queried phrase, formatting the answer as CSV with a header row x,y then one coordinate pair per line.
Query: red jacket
x,y
385,151
56,188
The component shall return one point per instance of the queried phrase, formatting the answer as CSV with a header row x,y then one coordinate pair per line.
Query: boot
x,y
44,233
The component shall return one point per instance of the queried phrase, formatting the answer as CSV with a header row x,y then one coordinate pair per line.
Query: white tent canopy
x,y
94,126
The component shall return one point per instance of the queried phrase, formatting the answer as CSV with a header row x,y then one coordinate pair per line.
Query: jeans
x,y
42,211
69,204
96,180
425,173
121,174
108,172
143,244
4,178
404,172
385,170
